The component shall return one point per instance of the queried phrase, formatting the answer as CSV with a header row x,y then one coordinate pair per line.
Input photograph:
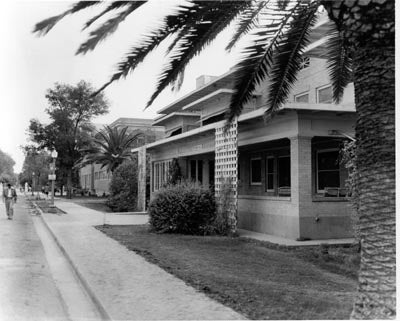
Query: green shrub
x,y
222,224
185,208
124,188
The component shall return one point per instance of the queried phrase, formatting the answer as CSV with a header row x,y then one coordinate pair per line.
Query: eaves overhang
x,y
218,93
161,120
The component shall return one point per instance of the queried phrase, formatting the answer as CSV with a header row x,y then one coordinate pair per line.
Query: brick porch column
x,y
301,173
141,198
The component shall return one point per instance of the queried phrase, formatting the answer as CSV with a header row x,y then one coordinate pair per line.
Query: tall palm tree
x,y
110,148
360,49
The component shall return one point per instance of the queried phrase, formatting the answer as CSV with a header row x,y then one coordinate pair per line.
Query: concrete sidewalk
x,y
124,284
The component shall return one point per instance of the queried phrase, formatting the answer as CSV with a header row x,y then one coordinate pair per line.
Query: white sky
x,y
29,65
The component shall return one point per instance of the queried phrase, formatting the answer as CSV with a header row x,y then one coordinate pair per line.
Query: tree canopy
x,y
6,168
71,109
36,166
110,147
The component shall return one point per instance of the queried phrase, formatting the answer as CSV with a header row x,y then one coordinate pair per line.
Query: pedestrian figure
x,y
46,191
9,197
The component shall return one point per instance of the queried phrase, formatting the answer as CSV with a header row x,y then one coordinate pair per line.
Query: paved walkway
x,y
287,242
125,284
27,288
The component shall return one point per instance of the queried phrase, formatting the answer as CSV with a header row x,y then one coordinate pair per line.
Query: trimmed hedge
x,y
185,208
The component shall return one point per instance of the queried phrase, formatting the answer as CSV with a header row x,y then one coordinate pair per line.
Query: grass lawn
x,y
259,280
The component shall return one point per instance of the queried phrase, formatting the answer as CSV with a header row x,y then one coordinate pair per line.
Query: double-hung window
x,y
271,173
196,170
328,173
160,174
277,172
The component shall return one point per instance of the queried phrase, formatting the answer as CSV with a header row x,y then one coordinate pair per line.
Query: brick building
x,y
285,172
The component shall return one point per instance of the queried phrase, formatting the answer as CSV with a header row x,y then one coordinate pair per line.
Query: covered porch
x,y
286,179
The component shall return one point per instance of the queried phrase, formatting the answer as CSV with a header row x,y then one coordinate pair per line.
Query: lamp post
x,y
52,177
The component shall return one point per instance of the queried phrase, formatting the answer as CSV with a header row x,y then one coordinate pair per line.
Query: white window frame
x,y
251,171
321,191
300,95
317,93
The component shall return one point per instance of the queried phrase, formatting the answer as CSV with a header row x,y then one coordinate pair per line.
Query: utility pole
x,y
52,176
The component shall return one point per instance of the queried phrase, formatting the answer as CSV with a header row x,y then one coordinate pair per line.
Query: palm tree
x,y
360,49
110,148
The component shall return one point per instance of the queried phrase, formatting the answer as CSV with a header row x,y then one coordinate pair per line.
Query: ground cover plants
x,y
257,279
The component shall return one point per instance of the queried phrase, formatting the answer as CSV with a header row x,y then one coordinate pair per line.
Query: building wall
x,y
303,214
308,81
85,177
102,180
314,77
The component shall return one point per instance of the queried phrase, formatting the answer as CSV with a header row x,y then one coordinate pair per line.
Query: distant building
x,y
95,180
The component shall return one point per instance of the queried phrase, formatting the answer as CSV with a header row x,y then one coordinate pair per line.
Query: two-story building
x,y
286,171
96,180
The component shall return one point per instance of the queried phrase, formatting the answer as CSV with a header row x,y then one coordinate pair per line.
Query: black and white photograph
x,y
197,160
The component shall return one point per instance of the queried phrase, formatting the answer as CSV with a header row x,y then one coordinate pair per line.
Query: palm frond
x,y
43,27
287,60
108,28
113,6
247,20
257,60
148,43
283,4
339,63
191,44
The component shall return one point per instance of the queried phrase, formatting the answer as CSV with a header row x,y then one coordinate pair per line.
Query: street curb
x,y
103,313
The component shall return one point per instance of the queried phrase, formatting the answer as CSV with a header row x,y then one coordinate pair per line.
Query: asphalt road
x,y
36,282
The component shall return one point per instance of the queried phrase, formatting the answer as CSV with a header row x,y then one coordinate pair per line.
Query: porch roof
x,y
161,119
225,81
214,94
258,113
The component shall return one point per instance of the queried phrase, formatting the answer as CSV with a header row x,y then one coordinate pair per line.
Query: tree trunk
x,y
368,27
69,184
375,132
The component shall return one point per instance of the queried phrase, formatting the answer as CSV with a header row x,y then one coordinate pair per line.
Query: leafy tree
x,y
110,148
7,168
70,109
36,167
361,49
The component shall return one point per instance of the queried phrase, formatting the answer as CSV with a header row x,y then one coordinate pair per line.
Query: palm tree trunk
x,y
368,27
375,132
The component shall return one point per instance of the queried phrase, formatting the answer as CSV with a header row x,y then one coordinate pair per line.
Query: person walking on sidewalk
x,y
9,197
